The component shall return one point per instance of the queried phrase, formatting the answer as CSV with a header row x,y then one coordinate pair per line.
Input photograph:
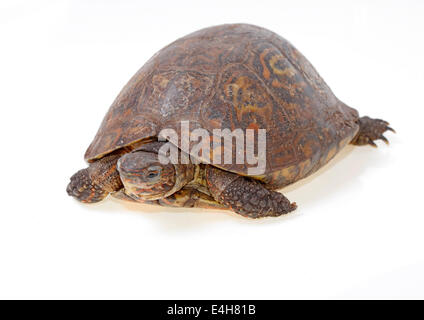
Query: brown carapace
x,y
228,76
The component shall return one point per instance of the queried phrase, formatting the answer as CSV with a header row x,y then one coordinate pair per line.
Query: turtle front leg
x,y
94,183
371,130
246,196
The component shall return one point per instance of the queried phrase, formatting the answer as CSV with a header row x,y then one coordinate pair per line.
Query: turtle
x,y
227,76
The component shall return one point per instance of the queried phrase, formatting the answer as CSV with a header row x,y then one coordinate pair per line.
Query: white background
x,y
359,228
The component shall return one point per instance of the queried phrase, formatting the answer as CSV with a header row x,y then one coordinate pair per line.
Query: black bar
x,y
212,309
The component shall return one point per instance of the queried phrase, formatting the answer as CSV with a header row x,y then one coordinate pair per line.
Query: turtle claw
x,y
372,143
380,121
391,129
384,139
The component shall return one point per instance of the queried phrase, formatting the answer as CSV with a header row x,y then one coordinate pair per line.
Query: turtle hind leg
x,y
371,130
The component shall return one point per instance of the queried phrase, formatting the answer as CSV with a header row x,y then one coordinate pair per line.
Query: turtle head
x,y
145,177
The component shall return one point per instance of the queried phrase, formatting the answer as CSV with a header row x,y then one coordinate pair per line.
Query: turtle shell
x,y
234,76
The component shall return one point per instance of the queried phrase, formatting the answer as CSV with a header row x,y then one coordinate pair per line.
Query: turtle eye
x,y
153,173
